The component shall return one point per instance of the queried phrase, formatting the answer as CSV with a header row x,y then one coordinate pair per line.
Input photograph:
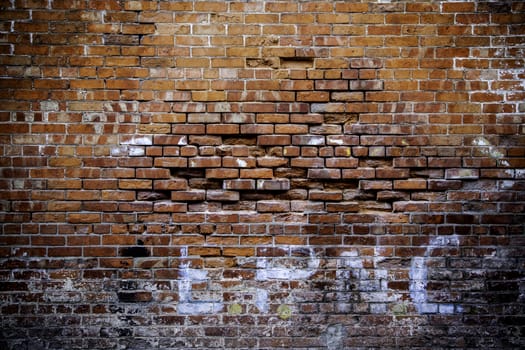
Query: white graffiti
x,y
274,269
371,281
419,279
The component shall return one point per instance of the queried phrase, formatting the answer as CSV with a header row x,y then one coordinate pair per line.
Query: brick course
x,y
265,174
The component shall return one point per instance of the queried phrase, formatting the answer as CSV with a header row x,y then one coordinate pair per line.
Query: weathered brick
x,y
260,173
192,195
342,162
375,185
410,184
271,140
239,184
217,165
273,185
204,162
310,140
273,206
462,174
220,195
171,162
221,173
324,174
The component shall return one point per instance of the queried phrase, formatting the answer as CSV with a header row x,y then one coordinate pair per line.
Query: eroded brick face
x,y
262,174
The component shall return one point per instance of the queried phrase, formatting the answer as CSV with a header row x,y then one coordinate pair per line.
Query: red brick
x,y
153,173
324,174
342,162
221,173
204,162
222,196
239,184
271,140
273,185
331,85
171,162
231,140
134,184
410,184
375,185
260,173
192,195
169,207
222,129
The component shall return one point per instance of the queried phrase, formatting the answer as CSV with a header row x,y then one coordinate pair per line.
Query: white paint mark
x,y
136,151
19,184
507,184
481,141
138,141
241,163
123,107
228,73
49,106
68,285
316,141
186,305
269,269
225,107
261,300
489,150
336,141
334,337
419,279
99,129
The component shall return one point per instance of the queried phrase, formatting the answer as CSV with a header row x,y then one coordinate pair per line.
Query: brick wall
x,y
262,174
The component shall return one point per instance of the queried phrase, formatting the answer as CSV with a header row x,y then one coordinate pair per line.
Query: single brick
x,y
331,85
239,184
273,185
192,195
366,63
333,174
171,162
220,195
342,162
260,173
205,162
273,206
367,185
273,140
308,140
366,85
461,174
221,173
410,184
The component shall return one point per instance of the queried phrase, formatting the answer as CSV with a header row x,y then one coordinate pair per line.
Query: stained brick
x,y
270,140
192,195
273,185
324,174
222,196
239,184
375,185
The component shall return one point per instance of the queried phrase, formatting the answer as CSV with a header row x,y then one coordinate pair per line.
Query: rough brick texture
x,y
262,174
